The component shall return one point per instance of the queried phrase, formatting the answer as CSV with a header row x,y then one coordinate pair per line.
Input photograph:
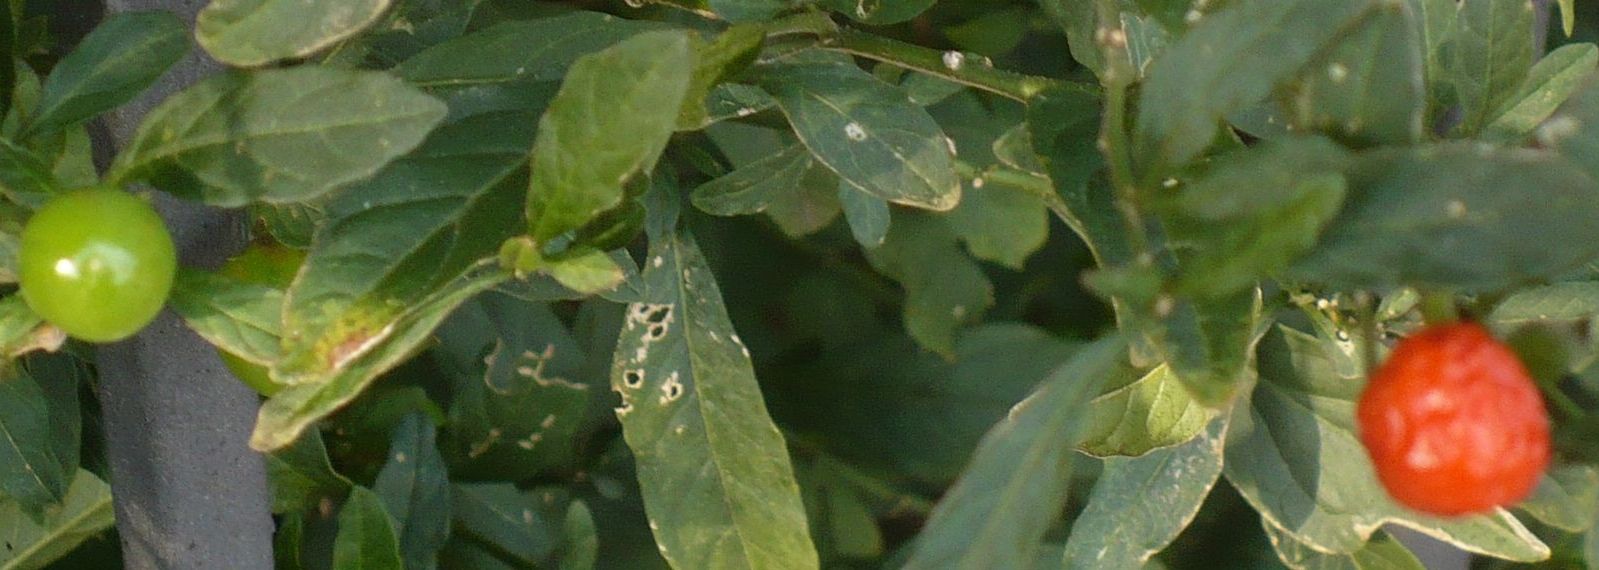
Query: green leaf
x,y
732,51
538,528
1566,498
366,539
525,50
1440,216
59,376
286,543
1209,343
1136,415
276,136
30,473
1369,89
302,477
515,412
1487,56
1015,149
868,215
1230,60
1381,552
241,318
608,125
867,131
581,537
713,469
748,10
753,187
996,514
944,289
1568,301
1064,125
399,237
415,490
284,417
588,272
249,33
1568,15
85,512
1550,82
123,56
1001,224
1294,456
879,12
1437,19
25,178
1140,504
732,101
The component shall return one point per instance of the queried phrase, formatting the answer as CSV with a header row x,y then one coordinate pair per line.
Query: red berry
x,y
1453,423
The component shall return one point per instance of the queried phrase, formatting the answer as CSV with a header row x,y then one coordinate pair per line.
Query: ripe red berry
x,y
1453,423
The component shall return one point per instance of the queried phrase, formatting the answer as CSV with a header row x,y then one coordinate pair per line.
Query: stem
x,y
1438,307
1114,143
978,74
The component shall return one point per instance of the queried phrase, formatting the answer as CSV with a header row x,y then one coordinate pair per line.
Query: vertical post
x,y
188,491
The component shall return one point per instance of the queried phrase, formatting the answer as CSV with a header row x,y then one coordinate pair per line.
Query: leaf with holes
x,y
712,467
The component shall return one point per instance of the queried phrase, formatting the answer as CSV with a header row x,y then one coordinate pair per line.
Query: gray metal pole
x,y
189,492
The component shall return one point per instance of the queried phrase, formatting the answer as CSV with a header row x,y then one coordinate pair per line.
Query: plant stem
x,y
951,65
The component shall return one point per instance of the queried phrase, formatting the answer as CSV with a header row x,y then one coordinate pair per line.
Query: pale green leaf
x,y
1381,552
1566,498
1149,412
241,318
251,33
1550,82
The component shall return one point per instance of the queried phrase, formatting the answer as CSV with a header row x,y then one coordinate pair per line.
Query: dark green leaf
x,y
867,131
1436,18
1226,255
416,493
25,178
276,136
754,186
1230,60
748,10
1487,56
125,54
879,12
540,49
1140,504
1209,343
30,473
582,541
1369,89
1456,215
608,124
286,543
241,318
1064,125
713,469
59,376
352,368
400,236
944,289
868,215
302,477
996,514
1001,224
251,33
1293,454
1550,82
366,539
30,543
526,527
1015,149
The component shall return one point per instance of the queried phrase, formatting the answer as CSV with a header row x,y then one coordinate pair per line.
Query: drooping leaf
x,y
276,136
30,543
713,469
1140,504
302,476
284,417
868,215
608,125
1488,53
124,54
996,514
1136,415
944,289
1294,455
366,538
30,473
1369,88
249,33
403,234
1229,60
1550,82
867,131
241,318
519,50
415,490
1456,215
